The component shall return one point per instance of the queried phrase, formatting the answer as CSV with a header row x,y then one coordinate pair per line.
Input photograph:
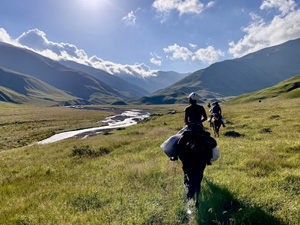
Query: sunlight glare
x,y
91,4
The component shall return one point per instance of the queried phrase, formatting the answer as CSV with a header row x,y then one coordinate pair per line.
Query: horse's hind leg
x,y
197,198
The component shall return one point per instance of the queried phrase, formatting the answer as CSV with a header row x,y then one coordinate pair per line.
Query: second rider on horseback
x,y
216,111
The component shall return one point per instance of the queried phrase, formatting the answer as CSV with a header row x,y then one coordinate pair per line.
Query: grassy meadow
x,y
22,126
123,177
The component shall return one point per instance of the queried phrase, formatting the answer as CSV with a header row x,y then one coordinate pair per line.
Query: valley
x,y
91,91
126,178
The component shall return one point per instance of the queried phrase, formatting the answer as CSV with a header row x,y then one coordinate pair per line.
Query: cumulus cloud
x,y
4,36
36,41
210,4
129,19
254,16
205,55
178,52
155,61
261,34
284,6
182,6
193,45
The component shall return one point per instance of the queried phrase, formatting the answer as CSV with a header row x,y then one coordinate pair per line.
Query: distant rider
x,y
217,112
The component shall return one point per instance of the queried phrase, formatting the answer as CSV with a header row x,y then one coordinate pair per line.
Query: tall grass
x,y
125,178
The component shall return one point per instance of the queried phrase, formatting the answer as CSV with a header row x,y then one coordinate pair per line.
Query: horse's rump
x,y
216,124
194,150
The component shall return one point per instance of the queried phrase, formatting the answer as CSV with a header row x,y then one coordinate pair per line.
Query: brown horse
x,y
216,124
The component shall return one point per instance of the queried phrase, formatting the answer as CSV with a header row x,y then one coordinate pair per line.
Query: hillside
x,y
133,91
284,90
252,72
177,97
74,82
20,88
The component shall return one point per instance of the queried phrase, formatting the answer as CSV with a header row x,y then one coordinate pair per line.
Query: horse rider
x,y
217,112
195,146
195,114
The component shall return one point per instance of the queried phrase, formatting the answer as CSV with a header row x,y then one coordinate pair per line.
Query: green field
x,y
123,177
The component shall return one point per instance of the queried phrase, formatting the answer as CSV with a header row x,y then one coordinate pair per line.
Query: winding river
x,y
125,119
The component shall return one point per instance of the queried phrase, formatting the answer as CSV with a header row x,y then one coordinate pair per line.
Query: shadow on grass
x,y
219,206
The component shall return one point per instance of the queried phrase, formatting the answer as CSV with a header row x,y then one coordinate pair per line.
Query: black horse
x,y
195,152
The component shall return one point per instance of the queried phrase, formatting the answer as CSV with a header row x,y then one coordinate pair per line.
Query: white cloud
x,y
284,6
210,4
155,61
182,6
36,41
155,55
261,34
130,18
193,45
178,52
4,36
254,16
205,55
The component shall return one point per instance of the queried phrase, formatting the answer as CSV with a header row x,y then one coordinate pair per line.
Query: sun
x,y
91,4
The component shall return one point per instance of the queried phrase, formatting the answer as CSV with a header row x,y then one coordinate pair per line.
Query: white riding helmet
x,y
194,96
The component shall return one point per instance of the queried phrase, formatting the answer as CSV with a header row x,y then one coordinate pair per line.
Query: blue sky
x,y
146,35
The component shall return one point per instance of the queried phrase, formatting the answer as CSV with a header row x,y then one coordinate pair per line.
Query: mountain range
x,y
81,82
158,80
27,77
20,88
221,80
134,91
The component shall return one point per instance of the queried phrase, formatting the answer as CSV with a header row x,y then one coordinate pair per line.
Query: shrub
x,y
266,130
82,151
87,151
103,151
233,134
274,117
107,132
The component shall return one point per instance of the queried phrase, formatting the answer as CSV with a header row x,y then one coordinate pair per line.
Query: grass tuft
x,y
86,150
266,130
86,202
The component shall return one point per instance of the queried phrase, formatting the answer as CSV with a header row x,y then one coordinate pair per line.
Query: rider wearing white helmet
x,y
194,114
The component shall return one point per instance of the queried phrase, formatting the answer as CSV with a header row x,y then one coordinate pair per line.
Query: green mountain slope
x,y
131,90
177,97
284,90
74,82
20,88
250,73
